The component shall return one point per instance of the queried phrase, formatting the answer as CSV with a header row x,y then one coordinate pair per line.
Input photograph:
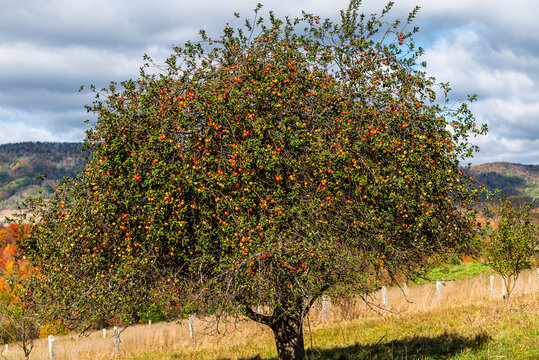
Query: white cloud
x,y
495,148
33,63
49,48
471,65
52,124
507,85
13,132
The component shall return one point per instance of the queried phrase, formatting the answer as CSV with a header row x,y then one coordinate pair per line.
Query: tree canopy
x,y
278,162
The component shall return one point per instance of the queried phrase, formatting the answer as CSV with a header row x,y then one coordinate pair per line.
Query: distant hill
x,y
515,180
21,163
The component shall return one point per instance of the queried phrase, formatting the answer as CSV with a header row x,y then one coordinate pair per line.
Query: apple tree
x,y
512,245
270,165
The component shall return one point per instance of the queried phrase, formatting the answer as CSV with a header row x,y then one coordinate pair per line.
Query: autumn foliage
x,y
268,166
19,319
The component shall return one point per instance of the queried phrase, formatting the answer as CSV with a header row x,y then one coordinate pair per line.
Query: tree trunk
x,y
287,325
507,287
288,333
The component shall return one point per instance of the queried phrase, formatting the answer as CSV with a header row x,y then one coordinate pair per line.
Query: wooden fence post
x,y
192,328
116,342
104,333
51,347
7,351
149,323
492,286
384,297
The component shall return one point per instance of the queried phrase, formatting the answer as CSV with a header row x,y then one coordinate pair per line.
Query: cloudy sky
x,y
49,48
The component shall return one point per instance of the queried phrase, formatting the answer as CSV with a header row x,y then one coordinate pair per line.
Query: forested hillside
x,y
21,165
29,167
515,180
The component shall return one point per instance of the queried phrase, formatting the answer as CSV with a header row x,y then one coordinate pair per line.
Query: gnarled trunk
x,y
287,326
288,333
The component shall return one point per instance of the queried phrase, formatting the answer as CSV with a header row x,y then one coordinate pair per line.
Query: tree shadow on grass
x,y
418,347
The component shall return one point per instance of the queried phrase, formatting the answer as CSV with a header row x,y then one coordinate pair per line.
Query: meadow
x,y
466,324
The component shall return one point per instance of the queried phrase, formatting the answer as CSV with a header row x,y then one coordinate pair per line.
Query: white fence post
x,y
325,306
384,297
405,288
504,289
116,342
492,286
51,347
439,291
7,351
259,310
192,328
104,333
149,323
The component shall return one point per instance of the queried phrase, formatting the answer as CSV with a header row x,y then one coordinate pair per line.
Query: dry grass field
x,y
467,324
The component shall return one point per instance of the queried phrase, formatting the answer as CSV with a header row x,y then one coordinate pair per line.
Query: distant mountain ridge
x,y
21,163
515,180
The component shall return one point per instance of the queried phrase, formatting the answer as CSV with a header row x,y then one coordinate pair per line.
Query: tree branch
x,y
313,299
263,319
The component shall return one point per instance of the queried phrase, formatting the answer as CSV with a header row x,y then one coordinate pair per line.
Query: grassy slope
x,y
458,272
473,331
489,330
482,329
468,324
